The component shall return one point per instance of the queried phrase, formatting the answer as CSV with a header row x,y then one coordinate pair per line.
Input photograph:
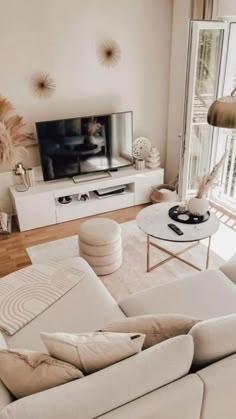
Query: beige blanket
x,y
27,293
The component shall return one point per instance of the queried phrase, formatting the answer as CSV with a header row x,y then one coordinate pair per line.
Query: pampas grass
x,y
207,181
13,131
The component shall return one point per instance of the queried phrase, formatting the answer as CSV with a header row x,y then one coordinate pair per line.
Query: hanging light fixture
x,y
222,112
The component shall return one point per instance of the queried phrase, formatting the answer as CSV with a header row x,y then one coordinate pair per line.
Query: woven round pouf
x,y
101,245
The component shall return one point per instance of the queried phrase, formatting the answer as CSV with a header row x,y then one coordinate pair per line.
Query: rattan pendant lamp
x,y
222,112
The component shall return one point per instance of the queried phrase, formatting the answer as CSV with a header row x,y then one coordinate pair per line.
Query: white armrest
x,y
111,387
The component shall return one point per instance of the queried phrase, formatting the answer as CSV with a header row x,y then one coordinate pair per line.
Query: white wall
x,y
226,8
61,37
181,15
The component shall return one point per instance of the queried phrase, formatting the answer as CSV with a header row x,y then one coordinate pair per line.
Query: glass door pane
x,y
225,192
206,44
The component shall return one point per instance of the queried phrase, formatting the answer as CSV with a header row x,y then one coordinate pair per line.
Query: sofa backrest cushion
x,y
214,339
203,295
110,387
229,269
5,395
219,380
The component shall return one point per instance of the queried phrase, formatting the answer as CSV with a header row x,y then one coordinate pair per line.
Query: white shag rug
x,y
132,275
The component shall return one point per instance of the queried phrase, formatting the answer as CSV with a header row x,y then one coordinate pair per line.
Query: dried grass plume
x,y
207,181
13,132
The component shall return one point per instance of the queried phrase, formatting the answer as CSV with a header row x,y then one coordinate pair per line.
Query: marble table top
x,y
153,221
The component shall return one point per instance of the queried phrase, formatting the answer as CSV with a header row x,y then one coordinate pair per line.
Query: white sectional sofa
x,y
156,383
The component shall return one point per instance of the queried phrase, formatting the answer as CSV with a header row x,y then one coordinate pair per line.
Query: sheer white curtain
x,y
204,9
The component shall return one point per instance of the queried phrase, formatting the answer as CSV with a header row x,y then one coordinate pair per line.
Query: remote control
x,y
176,229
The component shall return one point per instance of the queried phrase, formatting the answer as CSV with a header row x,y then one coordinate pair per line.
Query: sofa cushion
x,y
26,293
186,401
229,269
111,387
156,328
28,372
219,380
91,352
202,296
87,307
214,339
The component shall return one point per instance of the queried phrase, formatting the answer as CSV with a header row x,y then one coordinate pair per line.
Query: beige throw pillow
x,y
91,352
156,328
28,372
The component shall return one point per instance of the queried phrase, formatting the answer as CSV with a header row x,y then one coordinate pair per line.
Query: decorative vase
x,y
198,206
139,164
153,158
20,171
30,177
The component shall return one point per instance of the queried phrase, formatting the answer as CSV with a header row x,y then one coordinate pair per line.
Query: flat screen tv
x,y
76,146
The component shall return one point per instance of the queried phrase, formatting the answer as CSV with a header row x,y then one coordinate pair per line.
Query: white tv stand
x,y
38,207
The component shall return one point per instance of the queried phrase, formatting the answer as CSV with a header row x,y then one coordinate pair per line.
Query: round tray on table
x,y
186,217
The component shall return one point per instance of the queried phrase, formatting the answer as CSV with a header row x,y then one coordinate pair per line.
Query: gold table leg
x,y
174,255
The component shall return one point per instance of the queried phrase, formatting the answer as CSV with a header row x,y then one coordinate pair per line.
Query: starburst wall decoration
x,y
109,53
43,85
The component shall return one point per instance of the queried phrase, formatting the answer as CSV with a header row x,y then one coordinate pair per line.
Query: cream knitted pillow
x,y
91,352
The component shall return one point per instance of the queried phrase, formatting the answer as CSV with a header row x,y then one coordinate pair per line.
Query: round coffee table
x,y
153,221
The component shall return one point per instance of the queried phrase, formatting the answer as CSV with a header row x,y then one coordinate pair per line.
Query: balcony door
x,y
208,43
225,139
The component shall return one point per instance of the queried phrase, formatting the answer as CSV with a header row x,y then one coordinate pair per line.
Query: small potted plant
x,y
198,205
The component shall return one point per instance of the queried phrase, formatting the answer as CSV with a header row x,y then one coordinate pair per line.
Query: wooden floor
x,y
12,249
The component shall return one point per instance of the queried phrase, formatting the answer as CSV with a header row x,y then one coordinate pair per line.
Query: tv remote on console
x,y
175,229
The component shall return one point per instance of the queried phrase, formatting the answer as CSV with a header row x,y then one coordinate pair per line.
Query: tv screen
x,y
75,146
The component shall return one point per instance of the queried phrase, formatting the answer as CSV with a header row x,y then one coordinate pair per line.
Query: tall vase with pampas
x,y
199,205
